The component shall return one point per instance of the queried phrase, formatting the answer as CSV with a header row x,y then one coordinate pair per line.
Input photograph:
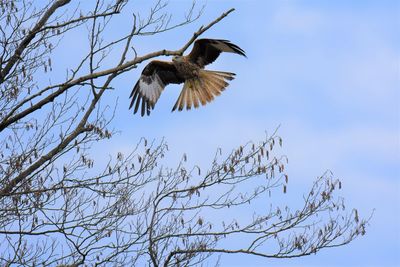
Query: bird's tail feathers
x,y
202,89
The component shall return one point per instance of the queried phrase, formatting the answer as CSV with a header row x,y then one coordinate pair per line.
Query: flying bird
x,y
200,85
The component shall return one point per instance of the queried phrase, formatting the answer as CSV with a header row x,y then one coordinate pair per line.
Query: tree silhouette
x,y
57,207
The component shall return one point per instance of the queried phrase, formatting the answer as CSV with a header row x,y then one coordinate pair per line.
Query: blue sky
x,y
328,73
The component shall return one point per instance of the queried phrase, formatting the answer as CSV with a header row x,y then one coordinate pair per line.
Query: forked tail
x,y
202,89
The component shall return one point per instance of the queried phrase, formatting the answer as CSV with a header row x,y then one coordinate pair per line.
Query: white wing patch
x,y
151,91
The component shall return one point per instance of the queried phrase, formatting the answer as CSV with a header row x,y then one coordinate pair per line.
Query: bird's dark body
x,y
186,69
200,86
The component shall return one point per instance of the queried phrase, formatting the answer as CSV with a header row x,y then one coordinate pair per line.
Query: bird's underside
x,y
200,86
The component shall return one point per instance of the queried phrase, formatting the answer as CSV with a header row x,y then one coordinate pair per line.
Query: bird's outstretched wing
x,y
206,51
155,76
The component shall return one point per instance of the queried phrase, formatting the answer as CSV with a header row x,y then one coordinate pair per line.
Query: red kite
x,y
200,85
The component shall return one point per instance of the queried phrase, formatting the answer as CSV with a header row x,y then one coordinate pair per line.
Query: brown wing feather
x,y
147,90
206,51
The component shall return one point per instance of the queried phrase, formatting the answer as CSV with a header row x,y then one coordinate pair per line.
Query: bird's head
x,y
177,59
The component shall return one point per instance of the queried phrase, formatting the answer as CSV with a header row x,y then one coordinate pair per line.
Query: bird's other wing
x,y
155,76
206,51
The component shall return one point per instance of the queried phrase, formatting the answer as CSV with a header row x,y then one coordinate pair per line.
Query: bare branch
x,y
62,204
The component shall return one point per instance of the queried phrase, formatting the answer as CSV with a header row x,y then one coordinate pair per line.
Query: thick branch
x,y
30,36
9,119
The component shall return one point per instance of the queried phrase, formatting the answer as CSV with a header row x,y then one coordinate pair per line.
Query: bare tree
x,y
58,208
